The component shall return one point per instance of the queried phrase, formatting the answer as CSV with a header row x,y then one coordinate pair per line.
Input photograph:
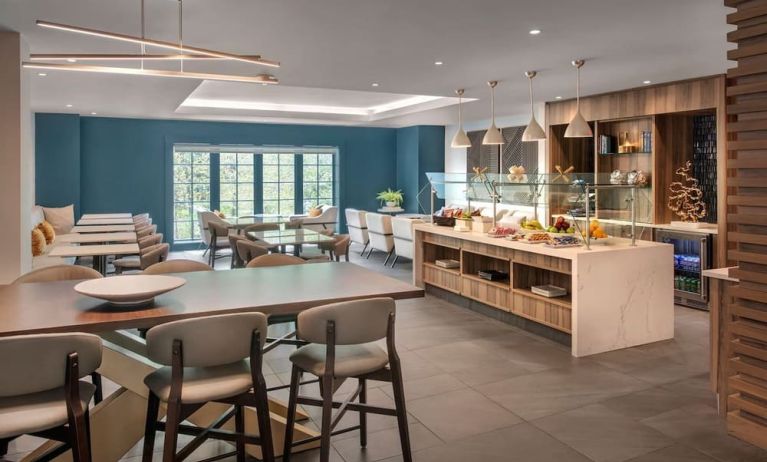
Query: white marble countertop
x,y
721,273
613,245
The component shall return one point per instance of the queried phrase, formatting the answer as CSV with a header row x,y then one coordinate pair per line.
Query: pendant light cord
x,y
530,81
460,115
181,31
577,88
143,34
492,103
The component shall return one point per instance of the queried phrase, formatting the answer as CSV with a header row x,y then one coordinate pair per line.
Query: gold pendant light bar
x,y
124,57
156,43
260,78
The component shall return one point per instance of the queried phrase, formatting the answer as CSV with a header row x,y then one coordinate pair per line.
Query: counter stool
x,y
206,360
342,337
41,393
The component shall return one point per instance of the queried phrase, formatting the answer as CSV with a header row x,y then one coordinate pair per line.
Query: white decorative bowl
x,y
129,290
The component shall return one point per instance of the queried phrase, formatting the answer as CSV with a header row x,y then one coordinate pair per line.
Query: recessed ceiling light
x,y
69,105
374,84
42,74
93,113
438,63
647,82
535,31
557,97
71,60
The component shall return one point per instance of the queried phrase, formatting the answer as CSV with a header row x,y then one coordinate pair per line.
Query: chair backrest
x,y
142,221
58,273
207,341
219,229
145,231
177,266
148,241
356,218
35,363
402,228
294,224
341,245
356,321
275,259
255,227
154,254
248,250
141,216
379,223
202,223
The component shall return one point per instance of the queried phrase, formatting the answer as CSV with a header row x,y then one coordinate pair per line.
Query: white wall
x,y
455,158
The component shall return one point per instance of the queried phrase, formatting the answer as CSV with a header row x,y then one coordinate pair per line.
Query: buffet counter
x,y
618,295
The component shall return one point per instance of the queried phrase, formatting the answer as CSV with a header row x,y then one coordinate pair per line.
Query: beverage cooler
x,y
692,255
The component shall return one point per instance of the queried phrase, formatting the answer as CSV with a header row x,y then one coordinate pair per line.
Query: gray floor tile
x,y
648,403
675,453
429,386
385,444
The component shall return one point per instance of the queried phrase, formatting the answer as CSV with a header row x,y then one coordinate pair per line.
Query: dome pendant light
x,y
460,140
493,135
533,131
578,127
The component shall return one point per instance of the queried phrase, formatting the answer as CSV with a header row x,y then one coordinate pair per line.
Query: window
x,y
279,183
319,178
248,180
191,192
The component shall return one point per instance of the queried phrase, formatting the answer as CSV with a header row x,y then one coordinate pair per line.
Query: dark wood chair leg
x,y
264,424
171,431
239,427
363,415
98,396
78,435
327,414
150,428
4,446
399,404
295,379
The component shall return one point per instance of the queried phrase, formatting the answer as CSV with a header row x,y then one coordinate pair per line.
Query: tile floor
x,y
480,390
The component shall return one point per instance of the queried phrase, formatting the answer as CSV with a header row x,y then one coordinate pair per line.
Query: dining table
x,y
99,252
94,216
102,228
96,238
104,221
294,237
117,422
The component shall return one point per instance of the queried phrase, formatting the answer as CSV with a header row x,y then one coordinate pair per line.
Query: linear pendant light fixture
x,y
493,136
533,131
460,140
578,127
194,53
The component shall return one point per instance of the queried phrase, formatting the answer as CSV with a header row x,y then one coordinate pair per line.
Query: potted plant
x,y
390,197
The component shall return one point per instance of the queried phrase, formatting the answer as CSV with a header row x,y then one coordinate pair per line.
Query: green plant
x,y
390,195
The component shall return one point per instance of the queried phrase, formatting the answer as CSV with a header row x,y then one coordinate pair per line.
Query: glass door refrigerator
x,y
692,252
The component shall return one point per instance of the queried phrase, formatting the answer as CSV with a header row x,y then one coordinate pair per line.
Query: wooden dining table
x,y
99,252
117,423
102,228
96,238
93,216
104,221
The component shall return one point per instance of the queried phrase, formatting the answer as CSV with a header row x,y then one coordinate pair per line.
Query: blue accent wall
x,y
420,149
57,156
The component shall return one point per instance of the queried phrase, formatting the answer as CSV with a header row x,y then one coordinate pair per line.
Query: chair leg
x,y
98,396
363,249
399,404
295,380
239,427
264,423
152,410
388,256
394,262
4,446
78,439
370,252
363,415
172,422
327,414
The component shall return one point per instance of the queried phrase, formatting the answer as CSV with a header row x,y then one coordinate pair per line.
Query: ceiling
x,y
350,44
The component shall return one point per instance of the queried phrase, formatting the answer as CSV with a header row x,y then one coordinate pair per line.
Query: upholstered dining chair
x,y
148,241
343,344
402,228
145,231
41,393
358,227
337,248
148,257
209,359
177,266
219,239
236,262
140,217
247,250
275,259
381,236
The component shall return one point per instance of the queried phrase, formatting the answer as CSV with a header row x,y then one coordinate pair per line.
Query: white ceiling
x,y
349,44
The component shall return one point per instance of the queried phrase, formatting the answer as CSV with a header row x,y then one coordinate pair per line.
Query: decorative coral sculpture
x,y
686,198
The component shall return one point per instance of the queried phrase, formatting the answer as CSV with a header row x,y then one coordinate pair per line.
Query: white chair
x,y
402,228
358,228
381,236
203,218
326,221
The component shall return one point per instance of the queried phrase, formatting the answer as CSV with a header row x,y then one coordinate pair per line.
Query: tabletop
x,y
93,238
68,250
244,222
290,236
105,221
55,306
92,216
102,229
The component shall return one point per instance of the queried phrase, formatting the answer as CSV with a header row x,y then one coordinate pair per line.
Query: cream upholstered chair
x,y
343,344
58,273
41,393
209,359
402,228
148,257
247,250
177,266
380,231
358,227
327,220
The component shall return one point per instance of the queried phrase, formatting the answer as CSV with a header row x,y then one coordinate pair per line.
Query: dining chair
x,y
343,344
142,222
275,259
208,359
145,231
247,250
177,266
402,228
148,241
358,227
148,257
381,236
219,239
41,393
236,262
140,217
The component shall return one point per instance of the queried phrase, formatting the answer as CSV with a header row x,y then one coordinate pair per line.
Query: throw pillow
x,y
48,232
61,218
38,242
315,212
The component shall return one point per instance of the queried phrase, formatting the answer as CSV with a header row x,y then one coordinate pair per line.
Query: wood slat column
x,y
745,322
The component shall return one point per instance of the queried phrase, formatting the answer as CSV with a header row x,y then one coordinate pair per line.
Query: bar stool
x,y
41,393
342,337
206,360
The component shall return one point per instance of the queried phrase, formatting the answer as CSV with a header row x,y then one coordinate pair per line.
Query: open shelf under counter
x,y
618,295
